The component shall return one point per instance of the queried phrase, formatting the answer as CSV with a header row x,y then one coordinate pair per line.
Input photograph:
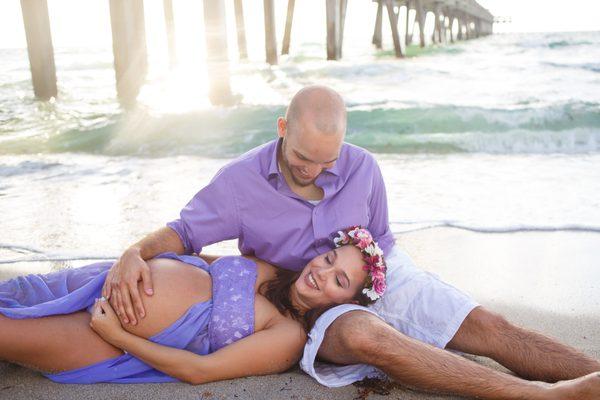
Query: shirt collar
x,y
335,170
273,165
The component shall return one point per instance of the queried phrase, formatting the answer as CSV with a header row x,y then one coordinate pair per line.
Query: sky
x,y
546,15
87,23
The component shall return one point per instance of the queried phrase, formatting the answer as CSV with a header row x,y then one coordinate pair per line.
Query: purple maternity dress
x,y
203,329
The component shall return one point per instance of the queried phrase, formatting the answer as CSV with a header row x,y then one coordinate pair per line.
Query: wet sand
x,y
545,281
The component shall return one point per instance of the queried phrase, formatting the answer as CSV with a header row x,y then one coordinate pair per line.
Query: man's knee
x,y
486,322
477,332
353,338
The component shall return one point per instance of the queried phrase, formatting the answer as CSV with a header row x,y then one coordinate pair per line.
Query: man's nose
x,y
314,169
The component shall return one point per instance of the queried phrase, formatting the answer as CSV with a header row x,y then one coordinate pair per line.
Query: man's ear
x,y
281,127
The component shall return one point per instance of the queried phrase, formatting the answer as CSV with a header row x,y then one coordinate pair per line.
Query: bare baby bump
x,y
177,287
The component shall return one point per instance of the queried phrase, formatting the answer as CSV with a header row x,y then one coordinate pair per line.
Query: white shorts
x,y
416,303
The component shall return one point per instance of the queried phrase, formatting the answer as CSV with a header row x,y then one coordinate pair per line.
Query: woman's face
x,y
331,278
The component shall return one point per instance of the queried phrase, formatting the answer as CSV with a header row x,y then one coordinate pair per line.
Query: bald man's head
x,y
312,134
317,108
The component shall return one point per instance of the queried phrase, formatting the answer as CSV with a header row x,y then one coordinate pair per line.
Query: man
x,y
283,199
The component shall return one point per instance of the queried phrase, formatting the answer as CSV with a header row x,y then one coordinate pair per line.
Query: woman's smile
x,y
311,281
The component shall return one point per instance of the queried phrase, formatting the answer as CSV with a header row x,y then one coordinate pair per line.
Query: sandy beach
x,y
545,281
489,145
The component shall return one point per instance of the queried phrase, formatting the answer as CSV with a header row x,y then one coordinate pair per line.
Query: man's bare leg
x,y
529,354
360,337
53,344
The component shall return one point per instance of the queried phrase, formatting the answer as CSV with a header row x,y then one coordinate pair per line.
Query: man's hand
x,y
121,286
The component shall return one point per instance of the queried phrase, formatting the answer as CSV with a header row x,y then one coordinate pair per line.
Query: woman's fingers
x,y
106,308
96,310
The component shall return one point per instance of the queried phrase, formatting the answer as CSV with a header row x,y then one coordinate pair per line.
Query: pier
x,y
469,19
452,20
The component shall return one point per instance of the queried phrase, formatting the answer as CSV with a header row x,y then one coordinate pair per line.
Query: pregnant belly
x,y
177,287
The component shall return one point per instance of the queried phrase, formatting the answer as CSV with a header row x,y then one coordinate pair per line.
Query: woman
x,y
245,318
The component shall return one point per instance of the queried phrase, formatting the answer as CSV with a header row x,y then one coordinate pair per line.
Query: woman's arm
x,y
273,349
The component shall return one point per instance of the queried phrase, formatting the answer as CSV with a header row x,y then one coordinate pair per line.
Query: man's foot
x,y
585,388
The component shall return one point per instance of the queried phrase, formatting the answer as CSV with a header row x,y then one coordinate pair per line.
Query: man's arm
x,y
121,285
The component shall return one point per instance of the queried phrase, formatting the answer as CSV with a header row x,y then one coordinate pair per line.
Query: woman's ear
x,y
354,302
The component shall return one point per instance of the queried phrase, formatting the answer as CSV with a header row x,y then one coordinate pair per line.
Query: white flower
x,y
371,293
373,250
338,241
362,234
370,250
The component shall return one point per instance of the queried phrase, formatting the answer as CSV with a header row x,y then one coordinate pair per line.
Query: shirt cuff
x,y
179,229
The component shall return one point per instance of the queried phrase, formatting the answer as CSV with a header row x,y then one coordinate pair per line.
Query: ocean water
x,y
498,134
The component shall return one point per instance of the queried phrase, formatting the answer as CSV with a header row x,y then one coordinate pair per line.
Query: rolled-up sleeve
x,y
379,224
211,216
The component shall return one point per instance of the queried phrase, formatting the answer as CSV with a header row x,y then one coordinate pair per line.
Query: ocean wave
x,y
564,43
593,67
567,128
557,41
415,226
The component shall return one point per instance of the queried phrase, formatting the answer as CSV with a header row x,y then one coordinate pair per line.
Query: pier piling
x,y
377,33
285,49
270,32
170,26
408,34
129,47
39,48
436,36
333,28
241,29
343,8
217,58
421,19
394,25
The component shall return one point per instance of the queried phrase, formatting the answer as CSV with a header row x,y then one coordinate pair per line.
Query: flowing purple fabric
x,y
204,328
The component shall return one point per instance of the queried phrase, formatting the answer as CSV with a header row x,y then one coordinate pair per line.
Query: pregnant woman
x,y
236,317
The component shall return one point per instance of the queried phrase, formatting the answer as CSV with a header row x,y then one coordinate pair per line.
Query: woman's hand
x,y
106,323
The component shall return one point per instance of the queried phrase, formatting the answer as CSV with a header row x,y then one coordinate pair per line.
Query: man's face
x,y
307,152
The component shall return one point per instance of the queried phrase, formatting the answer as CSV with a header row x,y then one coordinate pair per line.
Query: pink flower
x,y
379,286
372,260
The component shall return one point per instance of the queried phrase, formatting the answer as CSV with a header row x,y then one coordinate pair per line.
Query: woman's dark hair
x,y
277,291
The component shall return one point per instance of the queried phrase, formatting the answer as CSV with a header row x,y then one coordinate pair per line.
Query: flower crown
x,y
372,255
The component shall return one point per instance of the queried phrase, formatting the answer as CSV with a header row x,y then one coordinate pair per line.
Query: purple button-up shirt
x,y
250,200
